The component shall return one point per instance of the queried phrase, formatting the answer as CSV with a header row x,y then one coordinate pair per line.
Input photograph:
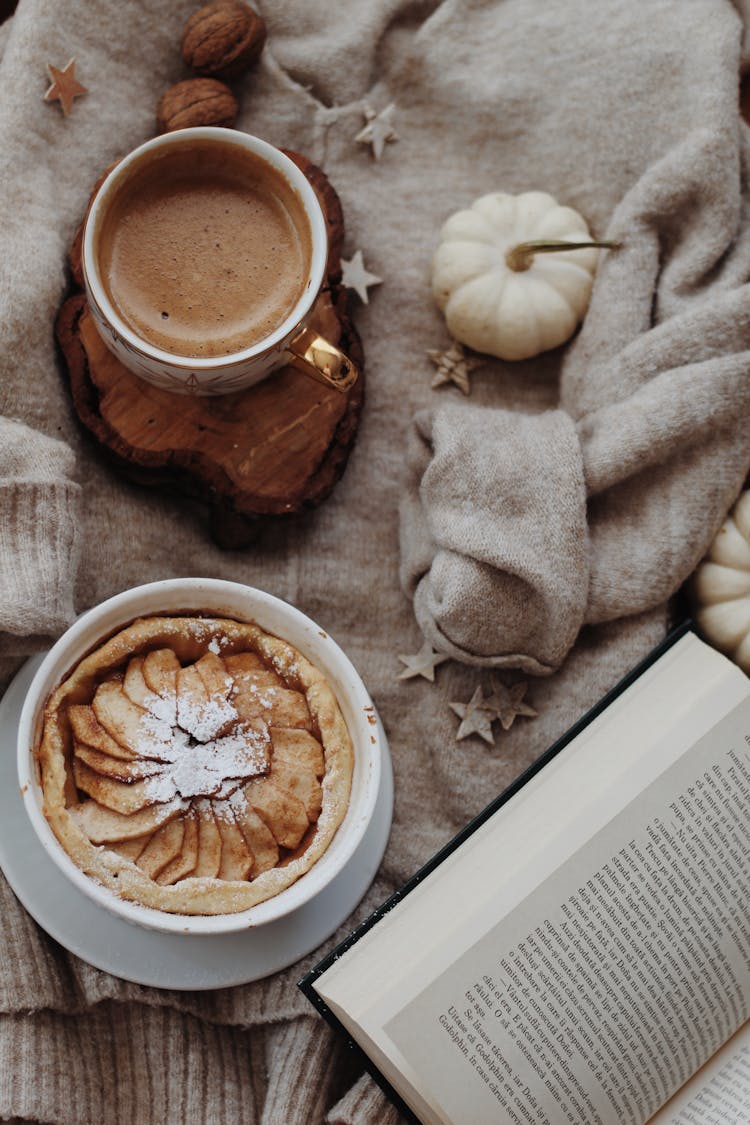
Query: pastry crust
x,y
195,765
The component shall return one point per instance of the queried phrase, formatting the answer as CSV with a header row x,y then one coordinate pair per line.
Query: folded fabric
x,y
39,532
493,529
518,529
627,112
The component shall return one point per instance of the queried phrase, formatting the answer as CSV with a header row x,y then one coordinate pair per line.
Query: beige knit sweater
x,y
628,112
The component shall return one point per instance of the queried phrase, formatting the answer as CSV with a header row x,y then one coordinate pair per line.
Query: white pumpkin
x,y
502,280
720,587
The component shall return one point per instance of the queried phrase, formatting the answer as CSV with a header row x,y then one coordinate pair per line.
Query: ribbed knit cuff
x,y
38,557
300,1066
128,1063
365,1104
39,533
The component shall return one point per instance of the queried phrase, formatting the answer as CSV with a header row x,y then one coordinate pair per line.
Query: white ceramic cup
x,y
294,341
244,603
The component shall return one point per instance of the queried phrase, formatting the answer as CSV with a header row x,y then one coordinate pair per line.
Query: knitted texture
x,y
627,112
557,525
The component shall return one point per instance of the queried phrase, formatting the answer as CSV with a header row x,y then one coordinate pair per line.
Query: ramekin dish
x,y
209,597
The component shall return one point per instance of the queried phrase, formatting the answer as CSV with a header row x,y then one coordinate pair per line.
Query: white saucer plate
x,y
176,961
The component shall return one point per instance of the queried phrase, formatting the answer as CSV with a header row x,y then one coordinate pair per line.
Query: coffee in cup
x,y
204,253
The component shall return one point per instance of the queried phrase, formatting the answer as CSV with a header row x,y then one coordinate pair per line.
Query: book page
x,y
719,1094
616,756
613,982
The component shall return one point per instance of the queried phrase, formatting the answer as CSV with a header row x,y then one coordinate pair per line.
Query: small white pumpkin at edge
x,y
504,278
720,587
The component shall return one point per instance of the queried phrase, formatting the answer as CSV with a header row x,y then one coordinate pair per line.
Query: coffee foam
x,y
204,250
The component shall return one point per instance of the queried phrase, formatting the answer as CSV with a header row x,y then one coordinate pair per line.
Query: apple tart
x,y
195,765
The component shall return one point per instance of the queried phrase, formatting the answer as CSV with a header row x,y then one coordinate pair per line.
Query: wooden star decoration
x,y
65,86
423,663
475,718
453,366
506,703
378,130
355,276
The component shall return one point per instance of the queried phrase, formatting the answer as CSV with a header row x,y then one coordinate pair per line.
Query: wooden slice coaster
x,y
275,449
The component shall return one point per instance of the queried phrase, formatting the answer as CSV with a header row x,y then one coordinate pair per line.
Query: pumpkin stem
x,y
520,257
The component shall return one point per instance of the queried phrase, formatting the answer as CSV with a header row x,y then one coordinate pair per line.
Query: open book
x,y
581,953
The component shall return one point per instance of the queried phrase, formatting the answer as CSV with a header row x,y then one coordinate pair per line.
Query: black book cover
x,y
308,981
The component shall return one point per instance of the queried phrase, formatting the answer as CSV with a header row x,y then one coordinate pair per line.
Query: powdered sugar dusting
x,y
263,696
229,800
197,627
201,769
237,802
205,718
163,708
153,737
204,747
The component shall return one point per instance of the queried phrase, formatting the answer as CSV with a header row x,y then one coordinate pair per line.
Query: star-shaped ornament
x,y
475,718
453,366
423,663
378,130
65,86
355,276
506,703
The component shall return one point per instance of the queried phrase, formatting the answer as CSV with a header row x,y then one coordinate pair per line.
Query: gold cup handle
x,y
316,357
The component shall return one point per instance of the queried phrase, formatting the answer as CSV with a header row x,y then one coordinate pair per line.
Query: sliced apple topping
x,y
103,825
300,783
87,728
206,771
202,712
184,863
163,705
130,725
160,670
163,847
249,671
208,860
131,770
125,797
283,814
275,706
299,749
130,849
236,857
258,836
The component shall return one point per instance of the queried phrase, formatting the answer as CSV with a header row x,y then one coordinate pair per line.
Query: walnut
x,y
223,39
197,101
